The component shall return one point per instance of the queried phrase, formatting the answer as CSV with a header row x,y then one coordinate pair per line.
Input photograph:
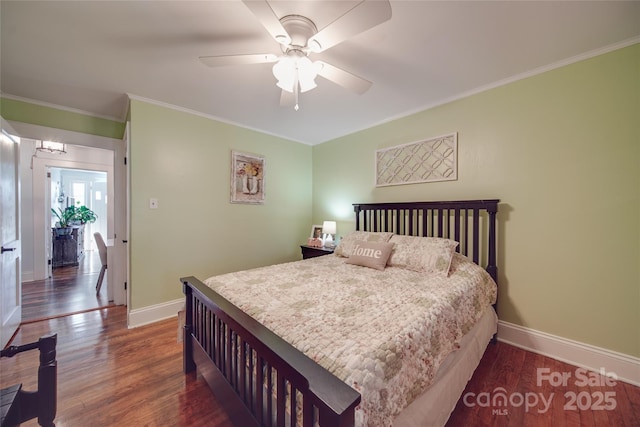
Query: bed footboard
x,y
264,380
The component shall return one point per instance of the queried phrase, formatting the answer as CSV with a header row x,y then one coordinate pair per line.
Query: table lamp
x,y
328,231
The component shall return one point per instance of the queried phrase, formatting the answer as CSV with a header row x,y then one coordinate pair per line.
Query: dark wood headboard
x,y
470,222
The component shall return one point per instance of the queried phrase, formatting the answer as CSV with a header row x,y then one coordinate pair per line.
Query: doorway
x,y
81,176
70,285
85,152
78,187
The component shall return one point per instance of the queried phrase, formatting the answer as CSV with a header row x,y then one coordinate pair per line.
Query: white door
x,y
10,291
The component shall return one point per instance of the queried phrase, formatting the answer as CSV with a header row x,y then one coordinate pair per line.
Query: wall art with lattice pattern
x,y
434,159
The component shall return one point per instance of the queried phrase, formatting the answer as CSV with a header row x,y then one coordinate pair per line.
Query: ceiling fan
x,y
298,37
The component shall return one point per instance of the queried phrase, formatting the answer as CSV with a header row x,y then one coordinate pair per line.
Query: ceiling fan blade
x,y
287,99
223,60
343,78
267,17
363,16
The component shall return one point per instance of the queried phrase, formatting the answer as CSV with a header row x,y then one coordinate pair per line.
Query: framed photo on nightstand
x,y
316,232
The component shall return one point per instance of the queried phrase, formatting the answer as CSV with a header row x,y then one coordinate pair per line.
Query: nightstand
x,y
311,251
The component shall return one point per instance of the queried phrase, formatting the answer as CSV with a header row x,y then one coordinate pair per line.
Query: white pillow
x,y
424,254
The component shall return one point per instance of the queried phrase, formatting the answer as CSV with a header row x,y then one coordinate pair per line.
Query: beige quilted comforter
x,y
384,333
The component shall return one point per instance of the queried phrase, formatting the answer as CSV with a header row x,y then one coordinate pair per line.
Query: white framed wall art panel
x,y
429,160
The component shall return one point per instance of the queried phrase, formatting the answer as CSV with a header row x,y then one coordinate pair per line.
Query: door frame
x,y
117,214
42,206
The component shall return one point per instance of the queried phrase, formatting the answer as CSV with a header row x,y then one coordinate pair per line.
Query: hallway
x,y
70,290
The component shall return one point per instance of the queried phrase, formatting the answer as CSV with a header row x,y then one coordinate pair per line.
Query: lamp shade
x,y
329,227
285,71
306,74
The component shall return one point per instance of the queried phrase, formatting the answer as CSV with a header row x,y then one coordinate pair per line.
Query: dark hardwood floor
x,y
565,403
109,375
70,290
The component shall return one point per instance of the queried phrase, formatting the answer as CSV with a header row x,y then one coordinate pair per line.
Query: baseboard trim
x,y
154,313
626,368
27,276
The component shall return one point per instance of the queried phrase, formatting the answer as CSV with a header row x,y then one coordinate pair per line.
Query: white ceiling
x,y
88,55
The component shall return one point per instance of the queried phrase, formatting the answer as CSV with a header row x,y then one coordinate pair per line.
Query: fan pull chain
x,y
296,85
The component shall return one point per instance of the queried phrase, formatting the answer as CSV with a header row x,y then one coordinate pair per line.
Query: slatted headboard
x,y
470,222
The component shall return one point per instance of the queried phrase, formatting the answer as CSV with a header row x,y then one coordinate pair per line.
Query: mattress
x,y
433,407
385,333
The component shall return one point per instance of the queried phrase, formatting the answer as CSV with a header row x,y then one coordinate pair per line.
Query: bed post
x,y
492,264
47,380
187,344
356,209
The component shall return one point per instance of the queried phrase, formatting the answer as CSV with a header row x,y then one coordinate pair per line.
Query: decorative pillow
x,y
346,244
370,254
424,254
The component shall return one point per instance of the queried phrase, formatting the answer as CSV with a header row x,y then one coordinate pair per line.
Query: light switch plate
x,y
153,203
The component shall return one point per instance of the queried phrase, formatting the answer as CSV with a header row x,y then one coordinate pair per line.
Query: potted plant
x,y
84,215
72,216
63,225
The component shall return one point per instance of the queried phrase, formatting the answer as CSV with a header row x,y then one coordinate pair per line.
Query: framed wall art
x,y
434,159
247,178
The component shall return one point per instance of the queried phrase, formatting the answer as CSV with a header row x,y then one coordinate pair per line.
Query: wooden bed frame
x,y
253,372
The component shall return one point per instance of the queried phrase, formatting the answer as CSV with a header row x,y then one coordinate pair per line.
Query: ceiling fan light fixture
x,y
285,71
306,74
306,84
293,70
286,85
298,36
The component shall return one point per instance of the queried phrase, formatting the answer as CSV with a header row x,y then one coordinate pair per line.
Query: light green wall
x,y
25,112
183,160
561,150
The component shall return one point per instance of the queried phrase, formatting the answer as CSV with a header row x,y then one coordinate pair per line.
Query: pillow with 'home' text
x,y
370,254
346,244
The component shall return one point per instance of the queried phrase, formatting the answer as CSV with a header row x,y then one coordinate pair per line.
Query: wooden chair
x,y
102,250
19,405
